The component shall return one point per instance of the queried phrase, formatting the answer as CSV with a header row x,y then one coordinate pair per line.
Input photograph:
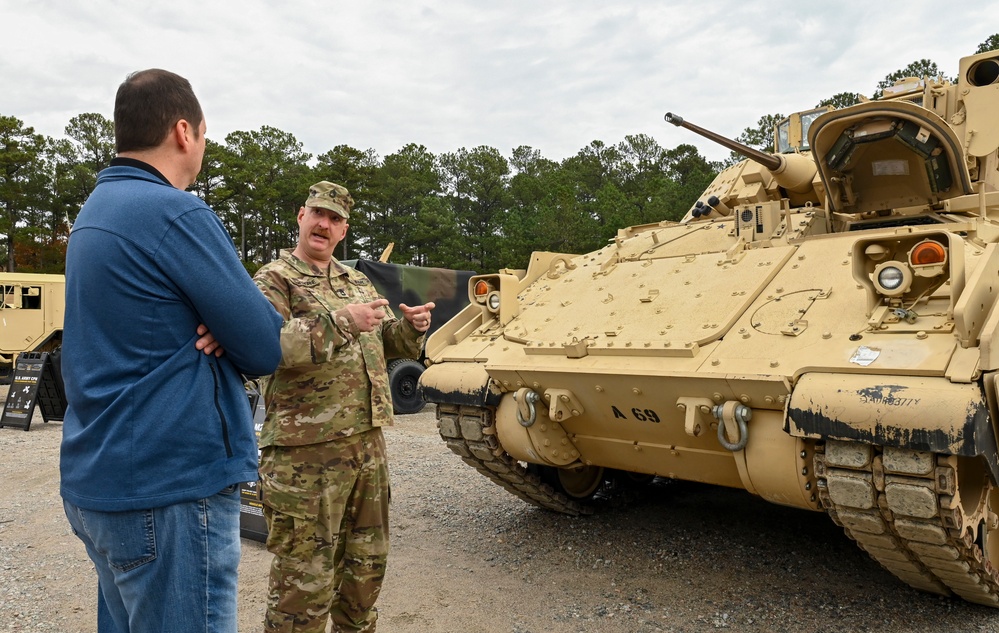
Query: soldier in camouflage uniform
x,y
323,470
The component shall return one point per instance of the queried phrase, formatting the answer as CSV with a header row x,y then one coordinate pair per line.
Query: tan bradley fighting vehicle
x,y
821,329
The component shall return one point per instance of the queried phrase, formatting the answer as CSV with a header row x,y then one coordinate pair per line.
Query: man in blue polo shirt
x,y
161,321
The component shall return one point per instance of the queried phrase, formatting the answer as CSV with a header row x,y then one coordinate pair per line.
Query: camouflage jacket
x,y
332,381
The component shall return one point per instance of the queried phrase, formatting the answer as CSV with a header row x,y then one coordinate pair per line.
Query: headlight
x,y
906,268
892,278
496,295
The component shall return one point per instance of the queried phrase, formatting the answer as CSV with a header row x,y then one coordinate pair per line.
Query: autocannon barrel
x,y
794,172
769,161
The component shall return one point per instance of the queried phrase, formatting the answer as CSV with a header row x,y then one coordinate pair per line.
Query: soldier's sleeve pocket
x,y
289,500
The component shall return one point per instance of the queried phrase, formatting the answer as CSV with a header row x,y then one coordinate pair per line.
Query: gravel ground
x,y
467,556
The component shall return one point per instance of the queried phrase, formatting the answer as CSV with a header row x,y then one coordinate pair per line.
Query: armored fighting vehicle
x,y
820,329
31,316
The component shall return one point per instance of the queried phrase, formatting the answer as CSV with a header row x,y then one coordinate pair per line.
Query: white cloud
x,y
448,74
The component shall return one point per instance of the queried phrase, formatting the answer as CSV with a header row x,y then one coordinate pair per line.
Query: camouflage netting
x,y
416,285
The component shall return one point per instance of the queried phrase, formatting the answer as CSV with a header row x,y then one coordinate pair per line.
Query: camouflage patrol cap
x,y
328,195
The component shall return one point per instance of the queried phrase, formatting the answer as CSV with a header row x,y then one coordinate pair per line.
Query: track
x,y
471,433
925,517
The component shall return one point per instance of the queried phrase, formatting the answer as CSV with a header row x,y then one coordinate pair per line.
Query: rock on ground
x,y
466,556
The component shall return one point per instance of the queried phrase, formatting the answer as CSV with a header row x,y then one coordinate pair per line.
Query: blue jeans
x,y
165,570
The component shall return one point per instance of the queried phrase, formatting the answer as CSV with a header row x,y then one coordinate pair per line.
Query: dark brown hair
x,y
148,104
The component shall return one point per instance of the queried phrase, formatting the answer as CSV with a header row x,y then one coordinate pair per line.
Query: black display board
x,y
36,381
252,524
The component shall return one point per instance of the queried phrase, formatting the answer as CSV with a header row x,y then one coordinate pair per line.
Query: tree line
x,y
473,209
469,209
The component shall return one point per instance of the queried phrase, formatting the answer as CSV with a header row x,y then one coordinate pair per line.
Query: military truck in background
x,y
414,285
31,316
821,329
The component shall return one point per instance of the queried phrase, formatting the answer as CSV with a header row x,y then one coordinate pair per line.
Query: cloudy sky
x,y
551,74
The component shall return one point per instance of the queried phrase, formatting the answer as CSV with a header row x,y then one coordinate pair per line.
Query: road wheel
x,y
404,382
579,483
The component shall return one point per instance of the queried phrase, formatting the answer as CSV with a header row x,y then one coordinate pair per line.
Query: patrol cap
x,y
328,195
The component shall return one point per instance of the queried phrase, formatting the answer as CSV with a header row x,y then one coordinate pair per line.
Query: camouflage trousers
x,y
326,507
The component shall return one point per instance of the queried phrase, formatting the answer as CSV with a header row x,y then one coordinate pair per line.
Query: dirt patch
x,y
467,556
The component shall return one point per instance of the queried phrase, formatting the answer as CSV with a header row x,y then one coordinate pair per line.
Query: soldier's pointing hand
x,y
367,316
419,316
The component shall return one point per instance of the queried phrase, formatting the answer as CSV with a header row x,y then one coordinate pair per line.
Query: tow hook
x,y
732,417
526,398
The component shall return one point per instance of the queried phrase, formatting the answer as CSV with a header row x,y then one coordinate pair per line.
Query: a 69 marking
x,y
642,415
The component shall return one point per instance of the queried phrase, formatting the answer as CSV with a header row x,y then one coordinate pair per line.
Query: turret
x,y
792,172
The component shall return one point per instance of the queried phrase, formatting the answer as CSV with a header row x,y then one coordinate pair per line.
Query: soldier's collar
x,y
336,269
